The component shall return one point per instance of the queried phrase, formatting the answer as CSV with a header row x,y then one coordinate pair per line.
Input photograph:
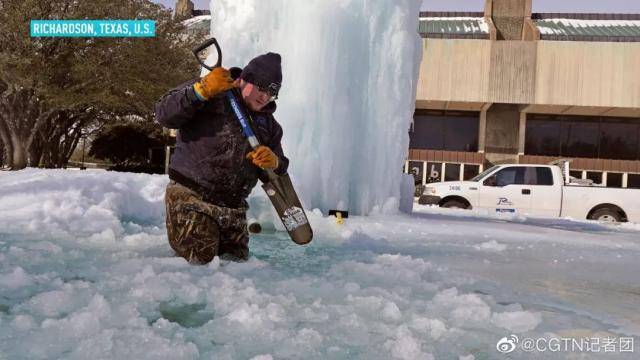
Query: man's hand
x,y
215,82
264,158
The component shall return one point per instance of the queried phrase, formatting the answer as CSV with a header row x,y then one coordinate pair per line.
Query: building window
x,y
576,174
452,172
619,140
633,181
595,176
433,172
614,180
470,171
428,133
451,131
542,137
416,168
579,137
583,136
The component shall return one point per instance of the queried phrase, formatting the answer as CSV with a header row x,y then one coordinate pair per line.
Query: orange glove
x,y
215,82
264,158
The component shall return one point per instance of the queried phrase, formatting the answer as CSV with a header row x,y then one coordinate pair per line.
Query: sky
x,y
601,6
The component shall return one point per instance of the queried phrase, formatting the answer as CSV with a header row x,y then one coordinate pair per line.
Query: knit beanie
x,y
264,71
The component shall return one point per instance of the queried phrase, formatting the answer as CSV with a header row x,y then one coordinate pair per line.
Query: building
x,y
185,10
508,85
197,22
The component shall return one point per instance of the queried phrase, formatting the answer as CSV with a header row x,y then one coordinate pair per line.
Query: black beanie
x,y
264,71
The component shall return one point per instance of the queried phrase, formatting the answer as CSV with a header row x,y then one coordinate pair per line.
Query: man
x,y
213,168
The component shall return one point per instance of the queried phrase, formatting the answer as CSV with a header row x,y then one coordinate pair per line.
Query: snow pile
x,y
89,208
426,286
347,101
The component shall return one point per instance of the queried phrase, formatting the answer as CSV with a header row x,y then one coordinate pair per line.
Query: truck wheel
x,y
606,215
454,204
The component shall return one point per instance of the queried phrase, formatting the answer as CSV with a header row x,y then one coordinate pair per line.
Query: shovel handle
x,y
204,45
244,122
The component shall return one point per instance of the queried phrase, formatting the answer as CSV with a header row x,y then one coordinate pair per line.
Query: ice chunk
x,y
23,323
491,246
391,312
16,279
262,357
405,346
517,321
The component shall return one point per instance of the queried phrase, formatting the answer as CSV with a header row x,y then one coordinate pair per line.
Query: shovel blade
x,y
283,196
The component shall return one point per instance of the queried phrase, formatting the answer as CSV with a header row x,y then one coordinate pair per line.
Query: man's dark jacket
x,y
211,148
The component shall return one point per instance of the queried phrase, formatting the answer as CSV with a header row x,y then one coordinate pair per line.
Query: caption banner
x,y
93,28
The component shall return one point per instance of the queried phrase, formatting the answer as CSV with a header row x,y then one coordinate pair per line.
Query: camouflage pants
x,y
198,230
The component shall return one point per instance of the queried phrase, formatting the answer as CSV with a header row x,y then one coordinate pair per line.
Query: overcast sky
x,y
602,6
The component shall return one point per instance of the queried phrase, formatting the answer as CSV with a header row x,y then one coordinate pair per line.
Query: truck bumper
x,y
429,200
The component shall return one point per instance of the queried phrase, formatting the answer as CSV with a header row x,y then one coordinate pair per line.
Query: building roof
x,y
453,25
198,24
552,26
471,25
589,27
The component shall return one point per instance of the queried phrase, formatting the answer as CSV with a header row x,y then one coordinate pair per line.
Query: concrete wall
x,y
508,17
455,69
588,74
513,72
594,74
502,133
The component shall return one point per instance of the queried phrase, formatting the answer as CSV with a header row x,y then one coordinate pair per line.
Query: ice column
x,y
347,101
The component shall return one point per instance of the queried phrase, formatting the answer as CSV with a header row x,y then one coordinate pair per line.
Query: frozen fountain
x,y
350,72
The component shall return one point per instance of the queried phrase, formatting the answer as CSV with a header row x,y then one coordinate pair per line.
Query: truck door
x,y
506,192
546,195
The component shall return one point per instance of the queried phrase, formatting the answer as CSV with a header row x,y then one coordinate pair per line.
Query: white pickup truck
x,y
539,190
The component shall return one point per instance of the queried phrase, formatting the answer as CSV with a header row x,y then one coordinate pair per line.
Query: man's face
x,y
253,97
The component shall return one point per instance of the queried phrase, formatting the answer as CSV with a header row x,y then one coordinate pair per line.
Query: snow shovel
x,y
279,188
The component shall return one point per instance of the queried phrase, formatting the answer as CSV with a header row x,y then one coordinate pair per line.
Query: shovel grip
x,y
205,45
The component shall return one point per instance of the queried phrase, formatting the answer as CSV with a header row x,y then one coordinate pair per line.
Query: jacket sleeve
x,y
177,107
276,147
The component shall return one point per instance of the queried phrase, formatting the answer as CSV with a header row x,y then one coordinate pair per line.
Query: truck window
x,y
544,176
483,174
538,176
510,176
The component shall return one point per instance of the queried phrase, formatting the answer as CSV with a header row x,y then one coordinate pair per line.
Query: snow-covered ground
x,y
86,272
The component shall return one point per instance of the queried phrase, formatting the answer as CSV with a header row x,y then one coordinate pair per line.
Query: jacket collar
x,y
270,108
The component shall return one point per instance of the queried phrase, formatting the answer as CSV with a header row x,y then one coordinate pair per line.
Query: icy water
x,y
489,278
85,271
361,298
